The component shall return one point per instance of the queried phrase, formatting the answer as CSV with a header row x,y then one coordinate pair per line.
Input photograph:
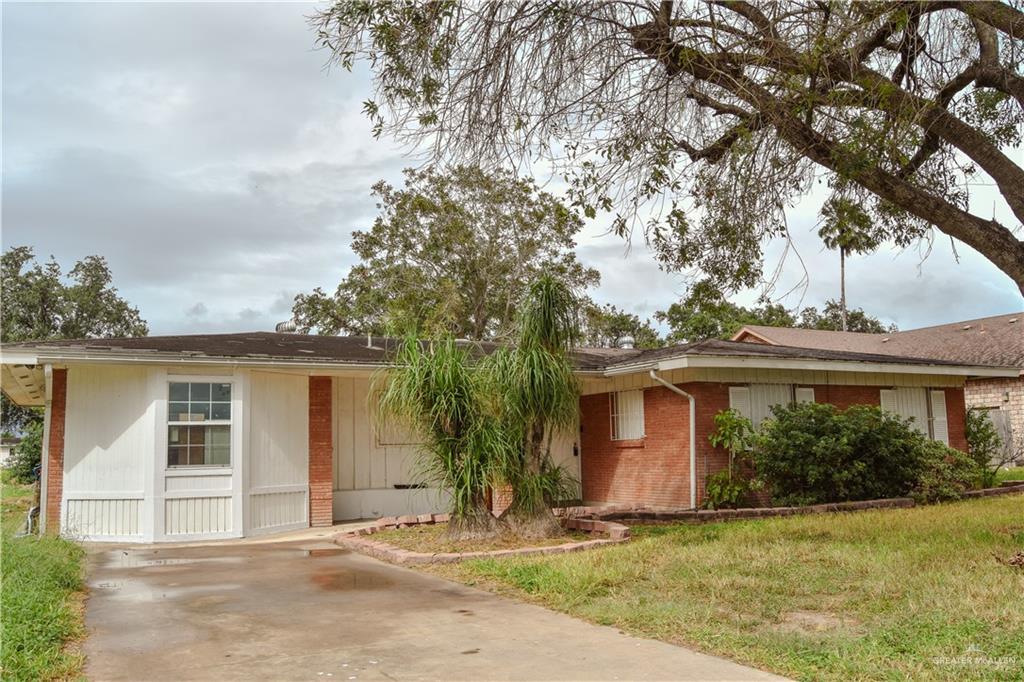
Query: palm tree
x,y
538,396
847,227
434,390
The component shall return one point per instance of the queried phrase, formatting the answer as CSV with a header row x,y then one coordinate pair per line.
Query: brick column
x,y
55,451
321,452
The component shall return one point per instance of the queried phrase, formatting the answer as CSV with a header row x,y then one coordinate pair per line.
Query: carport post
x,y
321,452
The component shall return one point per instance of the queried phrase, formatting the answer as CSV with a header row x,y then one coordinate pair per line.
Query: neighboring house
x,y
995,340
228,435
7,446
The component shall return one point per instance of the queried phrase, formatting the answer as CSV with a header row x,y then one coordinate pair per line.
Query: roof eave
x,y
834,365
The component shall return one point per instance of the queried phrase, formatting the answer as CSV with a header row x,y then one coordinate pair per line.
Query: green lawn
x,y
41,598
895,594
1013,474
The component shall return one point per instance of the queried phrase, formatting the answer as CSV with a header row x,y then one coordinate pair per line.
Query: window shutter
x,y
887,398
940,423
804,394
739,400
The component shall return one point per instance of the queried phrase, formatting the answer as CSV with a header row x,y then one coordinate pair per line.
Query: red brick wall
x,y
655,470
55,453
321,452
956,414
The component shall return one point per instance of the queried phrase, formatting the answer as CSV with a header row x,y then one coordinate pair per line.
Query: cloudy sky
x,y
204,150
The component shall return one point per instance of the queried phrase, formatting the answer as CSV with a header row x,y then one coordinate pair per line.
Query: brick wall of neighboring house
x,y
1004,394
654,470
321,452
55,456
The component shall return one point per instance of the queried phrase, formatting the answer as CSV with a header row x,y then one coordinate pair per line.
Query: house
x,y
997,340
214,436
7,445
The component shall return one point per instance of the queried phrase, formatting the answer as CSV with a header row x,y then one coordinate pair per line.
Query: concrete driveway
x,y
295,611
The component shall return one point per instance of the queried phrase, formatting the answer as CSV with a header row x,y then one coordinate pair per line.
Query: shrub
x,y
985,445
729,488
725,491
812,453
945,473
27,454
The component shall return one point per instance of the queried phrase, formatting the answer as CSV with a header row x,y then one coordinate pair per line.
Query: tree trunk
x,y
530,515
842,286
475,523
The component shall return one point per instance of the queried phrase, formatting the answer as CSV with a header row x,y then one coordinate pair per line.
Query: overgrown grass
x,y
40,598
894,594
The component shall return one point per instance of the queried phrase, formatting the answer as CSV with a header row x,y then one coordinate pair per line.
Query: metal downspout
x,y
693,434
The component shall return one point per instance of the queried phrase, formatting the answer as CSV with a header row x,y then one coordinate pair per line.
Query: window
x,y
755,401
926,408
199,424
627,410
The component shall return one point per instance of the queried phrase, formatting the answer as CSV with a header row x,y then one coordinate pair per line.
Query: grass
x,y
1012,474
880,595
432,539
41,598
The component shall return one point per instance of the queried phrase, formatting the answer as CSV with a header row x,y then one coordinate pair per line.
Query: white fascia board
x,y
149,358
19,357
835,366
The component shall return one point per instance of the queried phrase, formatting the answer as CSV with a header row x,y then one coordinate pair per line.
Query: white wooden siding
x,y
278,451
108,450
197,515
98,518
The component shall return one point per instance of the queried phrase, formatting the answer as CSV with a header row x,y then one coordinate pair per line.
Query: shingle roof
x,y
376,351
720,348
355,350
997,340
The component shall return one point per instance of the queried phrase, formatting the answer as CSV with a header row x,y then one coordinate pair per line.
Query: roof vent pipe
x,y
626,342
287,327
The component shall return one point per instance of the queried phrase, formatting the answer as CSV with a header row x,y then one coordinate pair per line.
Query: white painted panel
x,y
940,423
109,429
102,518
372,504
197,515
197,483
739,400
278,457
278,430
277,510
369,456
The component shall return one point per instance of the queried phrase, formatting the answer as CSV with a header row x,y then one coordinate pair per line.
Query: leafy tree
x,y
724,113
606,326
706,313
41,303
848,228
831,318
538,397
451,253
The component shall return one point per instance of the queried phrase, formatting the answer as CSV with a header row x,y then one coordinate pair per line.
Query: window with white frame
x,y
627,414
198,424
927,409
755,401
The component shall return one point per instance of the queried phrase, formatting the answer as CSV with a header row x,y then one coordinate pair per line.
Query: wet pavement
x,y
312,610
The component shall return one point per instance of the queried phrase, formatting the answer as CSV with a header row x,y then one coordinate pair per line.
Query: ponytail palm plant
x,y
434,390
537,396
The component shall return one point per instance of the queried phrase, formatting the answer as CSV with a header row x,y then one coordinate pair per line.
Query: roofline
x,y
747,330
39,356
694,361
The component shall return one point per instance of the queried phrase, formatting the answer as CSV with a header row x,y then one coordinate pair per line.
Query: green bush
x,y
27,454
812,453
725,491
945,473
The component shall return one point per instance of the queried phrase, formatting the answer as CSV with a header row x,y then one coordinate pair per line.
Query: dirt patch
x,y
813,623
433,539
1016,560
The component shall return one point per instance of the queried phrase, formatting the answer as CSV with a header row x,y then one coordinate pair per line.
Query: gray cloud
x,y
206,153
